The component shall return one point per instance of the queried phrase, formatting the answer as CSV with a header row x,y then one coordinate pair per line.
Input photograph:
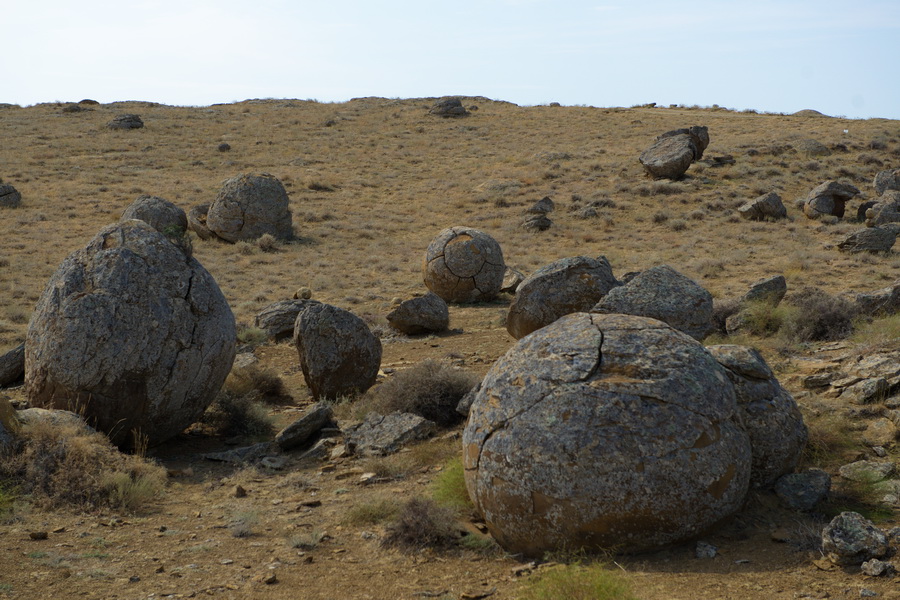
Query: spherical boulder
x,y
126,121
339,354
604,431
464,265
249,206
132,334
567,285
159,213
425,314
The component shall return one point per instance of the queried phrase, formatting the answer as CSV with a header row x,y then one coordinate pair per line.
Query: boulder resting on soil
x,y
425,314
674,151
248,206
829,198
464,265
159,213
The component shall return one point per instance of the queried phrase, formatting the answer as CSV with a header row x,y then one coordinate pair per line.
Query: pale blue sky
x,y
841,58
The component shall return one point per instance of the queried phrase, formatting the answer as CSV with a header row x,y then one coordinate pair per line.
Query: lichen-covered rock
x,y
303,431
379,435
339,355
870,239
542,206
537,223
9,196
665,294
803,491
604,431
126,121
464,265
885,301
767,206
674,151
512,278
159,213
769,413
131,333
567,285
425,314
886,210
829,198
278,319
12,365
770,290
887,180
249,206
851,539
196,217
449,107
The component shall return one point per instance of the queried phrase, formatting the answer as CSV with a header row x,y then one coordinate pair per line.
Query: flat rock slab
x,y
302,431
379,435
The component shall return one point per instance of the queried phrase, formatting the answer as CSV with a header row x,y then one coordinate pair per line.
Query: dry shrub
x,y
421,524
238,415
71,465
430,389
268,243
260,384
722,309
818,316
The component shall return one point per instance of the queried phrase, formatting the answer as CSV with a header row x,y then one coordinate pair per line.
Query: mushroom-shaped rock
x,y
159,213
127,121
249,206
767,206
464,265
565,286
9,196
604,431
131,333
425,314
870,239
196,217
887,180
339,355
829,198
674,151
665,294
769,413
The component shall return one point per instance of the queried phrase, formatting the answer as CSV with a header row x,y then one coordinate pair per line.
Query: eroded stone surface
x,y
851,539
425,314
829,198
464,265
159,213
249,206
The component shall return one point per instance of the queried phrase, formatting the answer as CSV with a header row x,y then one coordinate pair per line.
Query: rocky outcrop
x,y
126,121
851,539
886,210
249,206
829,198
131,333
887,180
602,431
464,265
448,108
674,151
425,314
379,435
767,206
870,239
304,430
159,213
770,290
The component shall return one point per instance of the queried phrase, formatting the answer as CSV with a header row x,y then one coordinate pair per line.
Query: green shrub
x,y
577,582
430,389
372,512
449,487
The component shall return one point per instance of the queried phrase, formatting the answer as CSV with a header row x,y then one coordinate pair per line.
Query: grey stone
x,y
770,290
248,206
674,151
9,196
302,431
870,239
425,314
769,413
851,539
278,319
767,206
867,391
537,223
512,278
464,265
466,401
665,294
886,210
867,471
705,550
9,427
887,180
803,491
159,213
567,285
541,207
12,365
244,360
449,107
57,418
603,431
196,217
243,455
829,198
878,568
131,333
812,147
379,435
338,353
883,302
126,121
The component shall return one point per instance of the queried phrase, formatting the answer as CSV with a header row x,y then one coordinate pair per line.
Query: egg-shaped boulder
x,y
158,212
249,206
132,334
604,431
464,265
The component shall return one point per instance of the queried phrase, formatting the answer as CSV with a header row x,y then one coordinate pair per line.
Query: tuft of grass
x,y
449,487
251,335
422,523
306,541
372,512
268,243
244,523
262,384
577,582
877,331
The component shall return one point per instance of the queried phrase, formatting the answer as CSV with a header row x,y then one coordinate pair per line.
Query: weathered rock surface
x,y
9,196
131,333
870,239
851,539
886,210
537,223
464,265
885,301
58,418
541,207
126,121
665,294
567,285
12,365
196,217
770,290
803,491
278,319
9,427
674,151
604,431
769,413
887,180
303,431
512,278
249,206
159,213
767,206
379,435
425,314
449,107
339,355
867,471
829,198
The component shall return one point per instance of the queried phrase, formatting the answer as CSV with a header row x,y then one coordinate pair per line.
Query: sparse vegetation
x,y
577,582
449,487
422,523
234,414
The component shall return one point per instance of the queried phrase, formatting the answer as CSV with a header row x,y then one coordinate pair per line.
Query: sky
x,y
838,57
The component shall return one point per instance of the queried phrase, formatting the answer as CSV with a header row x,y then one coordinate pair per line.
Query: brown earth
x,y
371,182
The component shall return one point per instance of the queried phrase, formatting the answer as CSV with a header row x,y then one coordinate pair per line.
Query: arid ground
x,y
371,182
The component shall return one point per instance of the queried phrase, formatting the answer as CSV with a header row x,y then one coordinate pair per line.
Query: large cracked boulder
x,y
604,431
829,198
249,206
674,151
769,413
425,314
665,294
464,265
131,333
159,213
870,239
567,285
339,354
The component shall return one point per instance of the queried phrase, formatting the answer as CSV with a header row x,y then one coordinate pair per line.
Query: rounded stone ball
x,y
159,213
249,206
464,265
604,431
